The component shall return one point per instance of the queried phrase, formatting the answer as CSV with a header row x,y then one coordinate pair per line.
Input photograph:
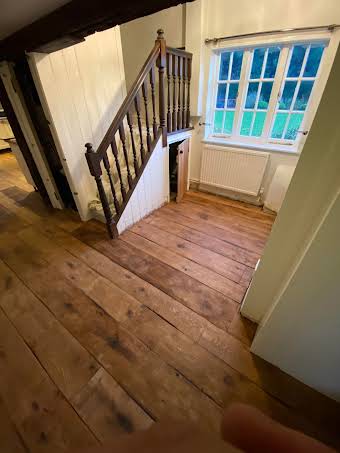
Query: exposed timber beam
x,y
72,22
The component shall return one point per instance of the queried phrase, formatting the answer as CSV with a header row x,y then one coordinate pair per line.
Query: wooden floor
x,y
101,337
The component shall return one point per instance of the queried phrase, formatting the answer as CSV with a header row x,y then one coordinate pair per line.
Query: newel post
x,y
96,171
161,63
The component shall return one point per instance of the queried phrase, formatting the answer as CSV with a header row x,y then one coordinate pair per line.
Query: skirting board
x,y
196,185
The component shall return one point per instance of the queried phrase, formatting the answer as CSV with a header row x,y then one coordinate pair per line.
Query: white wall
x,y
243,16
81,89
295,292
216,18
152,190
138,37
313,186
302,333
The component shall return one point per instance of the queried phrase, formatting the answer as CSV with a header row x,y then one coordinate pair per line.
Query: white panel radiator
x,y
233,169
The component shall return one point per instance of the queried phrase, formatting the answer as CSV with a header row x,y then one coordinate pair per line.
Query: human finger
x,y
252,431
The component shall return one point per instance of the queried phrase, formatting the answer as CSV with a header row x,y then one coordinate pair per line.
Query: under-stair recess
x,y
131,151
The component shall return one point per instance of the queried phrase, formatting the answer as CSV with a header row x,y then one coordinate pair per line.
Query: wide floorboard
x,y
101,337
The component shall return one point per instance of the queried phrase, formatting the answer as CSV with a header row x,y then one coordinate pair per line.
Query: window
x,y
261,94
227,90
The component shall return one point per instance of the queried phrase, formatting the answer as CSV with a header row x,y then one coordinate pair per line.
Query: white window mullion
x,y
246,64
211,116
264,64
298,79
260,81
230,65
282,64
291,107
226,95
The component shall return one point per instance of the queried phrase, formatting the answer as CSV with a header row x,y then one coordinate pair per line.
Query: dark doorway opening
x,y
19,136
173,169
41,125
178,169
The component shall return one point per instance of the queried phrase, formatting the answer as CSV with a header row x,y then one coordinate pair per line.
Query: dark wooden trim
x,y
135,181
178,77
179,131
20,138
178,52
72,22
161,63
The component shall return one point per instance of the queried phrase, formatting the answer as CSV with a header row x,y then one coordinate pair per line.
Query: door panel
x,y
182,171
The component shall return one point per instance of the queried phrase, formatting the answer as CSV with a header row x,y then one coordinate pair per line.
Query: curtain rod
x,y
284,30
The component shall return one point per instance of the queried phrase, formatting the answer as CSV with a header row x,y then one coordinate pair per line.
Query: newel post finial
x,y
89,148
160,33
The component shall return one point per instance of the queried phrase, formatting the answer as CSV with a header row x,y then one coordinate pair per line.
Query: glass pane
x,y
232,95
293,126
256,67
287,95
260,118
265,92
296,60
222,87
271,65
303,95
218,120
313,61
237,63
224,66
251,95
246,123
228,122
279,125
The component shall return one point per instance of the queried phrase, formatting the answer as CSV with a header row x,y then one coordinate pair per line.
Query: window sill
x,y
253,146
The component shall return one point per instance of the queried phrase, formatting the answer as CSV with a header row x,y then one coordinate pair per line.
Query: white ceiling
x,y
16,14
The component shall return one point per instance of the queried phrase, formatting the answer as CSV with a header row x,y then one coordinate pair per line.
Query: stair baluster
x,y
126,157
169,77
139,122
174,106
130,124
113,190
152,84
115,154
145,98
188,92
184,80
179,108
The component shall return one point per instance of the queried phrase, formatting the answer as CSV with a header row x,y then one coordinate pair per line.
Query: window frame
x,y
300,78
248,45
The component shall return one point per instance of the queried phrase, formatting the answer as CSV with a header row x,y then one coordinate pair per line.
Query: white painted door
x,y
182,169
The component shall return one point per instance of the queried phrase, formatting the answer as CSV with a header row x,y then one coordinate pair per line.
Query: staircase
x,y
153,108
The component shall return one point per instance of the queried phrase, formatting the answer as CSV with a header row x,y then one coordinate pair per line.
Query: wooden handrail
x,y
136,86
180,52
126,147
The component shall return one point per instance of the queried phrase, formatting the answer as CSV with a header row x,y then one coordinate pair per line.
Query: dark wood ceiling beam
x,y
72,22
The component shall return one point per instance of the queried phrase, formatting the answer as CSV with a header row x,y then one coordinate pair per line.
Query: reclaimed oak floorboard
x,y
81,323
172,224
